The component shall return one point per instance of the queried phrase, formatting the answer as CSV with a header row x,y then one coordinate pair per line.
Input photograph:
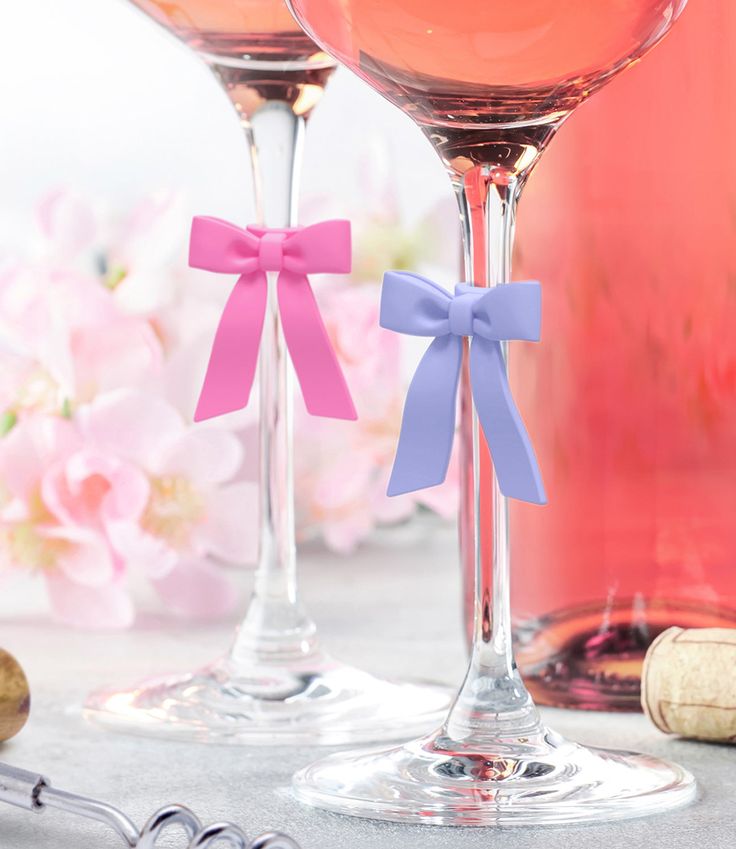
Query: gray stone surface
x,y
393,608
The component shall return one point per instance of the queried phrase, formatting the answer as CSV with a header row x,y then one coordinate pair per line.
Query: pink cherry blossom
x,y
69,340
101,479
193,511
144,257
127,487
343,467
86,310
94,490
69,228
76,561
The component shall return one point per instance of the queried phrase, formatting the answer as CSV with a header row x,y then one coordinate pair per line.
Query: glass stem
x,y
275,625
493,697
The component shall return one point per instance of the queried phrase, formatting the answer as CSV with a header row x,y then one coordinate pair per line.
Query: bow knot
x,y
415,305
217,245
271,251
461,311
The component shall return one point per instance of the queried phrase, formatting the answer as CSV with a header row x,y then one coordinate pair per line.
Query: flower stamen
x,y
174,508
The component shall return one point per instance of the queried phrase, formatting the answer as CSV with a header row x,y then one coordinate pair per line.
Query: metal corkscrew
x,y
33,792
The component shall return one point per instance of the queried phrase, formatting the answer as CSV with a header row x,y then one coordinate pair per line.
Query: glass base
x,y
314,700
544,780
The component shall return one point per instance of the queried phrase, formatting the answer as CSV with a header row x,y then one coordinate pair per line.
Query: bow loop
x,y
510,312
418,306
413,304
217,245
322,248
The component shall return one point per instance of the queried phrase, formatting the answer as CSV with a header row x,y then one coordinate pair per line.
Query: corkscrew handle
x,y
21,788
33,792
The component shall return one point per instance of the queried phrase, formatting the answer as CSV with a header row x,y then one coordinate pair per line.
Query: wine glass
x,y
489,82
275,685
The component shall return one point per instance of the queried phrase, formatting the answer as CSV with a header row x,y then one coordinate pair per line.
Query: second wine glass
x,y
276,684
489,82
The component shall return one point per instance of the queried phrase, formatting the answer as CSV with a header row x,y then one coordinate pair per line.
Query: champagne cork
x,y
689,683
15,696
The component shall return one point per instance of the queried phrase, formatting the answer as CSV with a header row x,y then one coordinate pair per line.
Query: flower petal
x,y
124,352
445,498
87,559
140,550
67,222
107,607
344,534
198,589
394,509
341,483
142,293
153,234
89,488
128,497
29,448
20,464
204,455
231,528
131,424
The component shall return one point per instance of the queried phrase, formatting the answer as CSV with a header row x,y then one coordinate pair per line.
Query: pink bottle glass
x,y
631,397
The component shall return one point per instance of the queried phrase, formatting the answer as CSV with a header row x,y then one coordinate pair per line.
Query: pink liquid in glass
x,y
453,66
248,29
255,47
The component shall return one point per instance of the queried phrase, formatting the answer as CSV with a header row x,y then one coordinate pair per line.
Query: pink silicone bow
x,y
217,245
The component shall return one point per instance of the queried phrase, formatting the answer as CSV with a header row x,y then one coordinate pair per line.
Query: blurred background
x,y
97,98
113,135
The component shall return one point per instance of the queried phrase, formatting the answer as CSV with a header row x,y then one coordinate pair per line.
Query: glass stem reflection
x,y
275,626
493,697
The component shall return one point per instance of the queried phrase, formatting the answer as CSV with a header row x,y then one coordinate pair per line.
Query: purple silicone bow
x,y
217,245
412,304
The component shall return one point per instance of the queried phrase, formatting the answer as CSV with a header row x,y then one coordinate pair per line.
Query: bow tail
x,y
511,448
428,424
234,356
321,379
